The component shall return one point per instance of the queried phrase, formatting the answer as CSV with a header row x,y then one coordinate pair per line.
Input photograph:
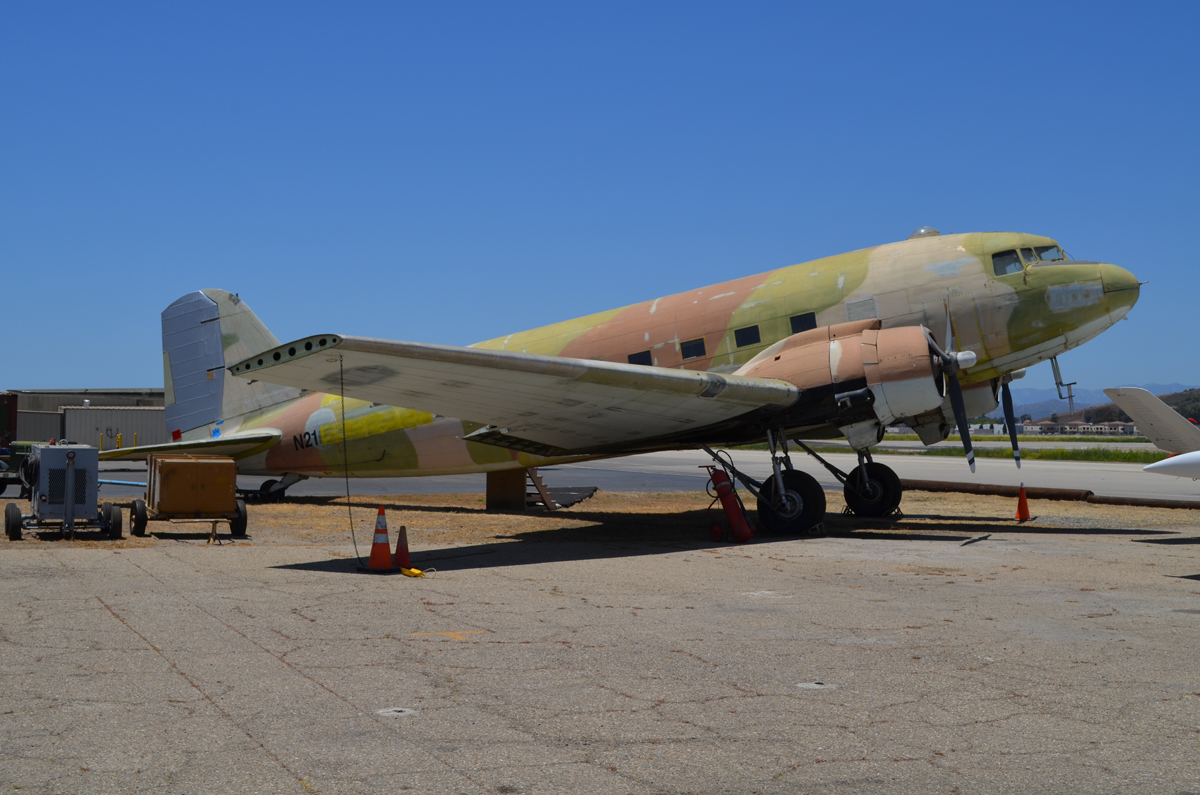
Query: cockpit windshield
x,y
1050,253
1006,262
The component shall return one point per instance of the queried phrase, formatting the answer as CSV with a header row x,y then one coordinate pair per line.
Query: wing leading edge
x,y
554,404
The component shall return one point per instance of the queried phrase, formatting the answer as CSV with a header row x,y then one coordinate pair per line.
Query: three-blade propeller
x,y
952,362
1010,421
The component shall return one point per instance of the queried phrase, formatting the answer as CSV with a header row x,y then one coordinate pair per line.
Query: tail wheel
x,y
265,494
800,508
12,521
874,491
237,525
137,518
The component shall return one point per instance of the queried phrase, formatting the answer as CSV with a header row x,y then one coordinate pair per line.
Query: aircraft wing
x,y
541,404
238,445
1156,420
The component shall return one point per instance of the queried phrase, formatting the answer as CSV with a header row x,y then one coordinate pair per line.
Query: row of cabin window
x,y
694,349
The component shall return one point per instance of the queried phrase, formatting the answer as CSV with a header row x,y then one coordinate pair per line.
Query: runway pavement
x,y
610,655
681,471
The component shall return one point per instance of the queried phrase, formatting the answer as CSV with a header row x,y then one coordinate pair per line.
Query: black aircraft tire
x,y
137,518
12,521
264,491
811,504
882,495
237,525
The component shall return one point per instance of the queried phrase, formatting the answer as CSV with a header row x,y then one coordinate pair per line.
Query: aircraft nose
x,y
1117,279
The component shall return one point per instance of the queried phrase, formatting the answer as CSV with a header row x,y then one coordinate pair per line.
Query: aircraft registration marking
x,y
307,439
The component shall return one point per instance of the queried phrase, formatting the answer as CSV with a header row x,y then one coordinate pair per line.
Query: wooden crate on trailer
x,y
184,487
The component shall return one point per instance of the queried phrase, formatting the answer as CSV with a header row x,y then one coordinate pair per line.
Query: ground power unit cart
x,y
63,481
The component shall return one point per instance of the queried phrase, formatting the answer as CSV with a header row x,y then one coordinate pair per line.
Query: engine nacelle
x,y
896,365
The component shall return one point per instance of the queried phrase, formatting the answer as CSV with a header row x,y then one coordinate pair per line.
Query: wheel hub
x,y
871,491
788,505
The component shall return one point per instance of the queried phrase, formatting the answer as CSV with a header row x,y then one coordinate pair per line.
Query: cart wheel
x,y
12,521
237,525
114,521
137,518
102,516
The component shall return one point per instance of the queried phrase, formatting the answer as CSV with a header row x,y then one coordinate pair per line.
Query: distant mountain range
x,y
1041,403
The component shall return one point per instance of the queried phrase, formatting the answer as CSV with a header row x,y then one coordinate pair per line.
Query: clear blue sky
x,y
450,172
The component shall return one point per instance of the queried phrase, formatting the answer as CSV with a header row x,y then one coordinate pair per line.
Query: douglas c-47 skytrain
x,y
927,332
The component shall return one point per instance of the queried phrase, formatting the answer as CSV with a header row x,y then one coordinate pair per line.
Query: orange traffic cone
x,y
381,554
1022,506
401,558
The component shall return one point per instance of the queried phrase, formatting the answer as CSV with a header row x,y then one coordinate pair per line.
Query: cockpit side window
x,y
1006,262
1050,253
1028,255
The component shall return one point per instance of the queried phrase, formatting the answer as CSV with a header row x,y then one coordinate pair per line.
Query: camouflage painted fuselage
x,y
1010,321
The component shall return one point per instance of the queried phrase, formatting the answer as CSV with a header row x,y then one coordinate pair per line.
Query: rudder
x,y
204,332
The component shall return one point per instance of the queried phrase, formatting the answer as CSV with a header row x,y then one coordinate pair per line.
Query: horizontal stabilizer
x,y
1157,421
236,446
571,405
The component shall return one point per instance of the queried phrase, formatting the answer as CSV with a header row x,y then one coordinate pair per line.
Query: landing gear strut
x,y
790,502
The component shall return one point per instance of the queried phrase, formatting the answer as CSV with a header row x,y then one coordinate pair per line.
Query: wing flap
x,y
558,402
1156,420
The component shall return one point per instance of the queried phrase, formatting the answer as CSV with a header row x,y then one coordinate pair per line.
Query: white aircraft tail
x,y
1157,421
204,332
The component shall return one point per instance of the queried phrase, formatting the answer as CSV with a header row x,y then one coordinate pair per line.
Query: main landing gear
x,y
871,489
791,502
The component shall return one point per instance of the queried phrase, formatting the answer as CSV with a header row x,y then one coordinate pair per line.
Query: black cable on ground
x,y
346,459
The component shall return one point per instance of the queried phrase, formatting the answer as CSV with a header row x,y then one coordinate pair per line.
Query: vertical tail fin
x,y
203,332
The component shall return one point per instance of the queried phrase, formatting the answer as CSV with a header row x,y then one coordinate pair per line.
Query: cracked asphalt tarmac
x,y
610,648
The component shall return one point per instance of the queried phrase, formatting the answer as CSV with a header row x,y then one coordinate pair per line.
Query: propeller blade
x,y
949,338
1011,422
960,417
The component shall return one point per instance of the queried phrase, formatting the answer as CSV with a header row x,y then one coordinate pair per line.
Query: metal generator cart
x,y
63,481
190,488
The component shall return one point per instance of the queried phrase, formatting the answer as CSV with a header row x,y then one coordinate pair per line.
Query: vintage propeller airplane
x,y
927,332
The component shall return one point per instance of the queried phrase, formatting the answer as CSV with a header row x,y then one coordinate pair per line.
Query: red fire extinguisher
x,y
734,512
